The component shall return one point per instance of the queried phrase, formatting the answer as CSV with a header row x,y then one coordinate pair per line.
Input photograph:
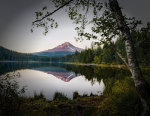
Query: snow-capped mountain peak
x,y
65,47
61,50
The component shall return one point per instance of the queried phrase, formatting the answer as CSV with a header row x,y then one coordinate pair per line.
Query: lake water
x,y
49,78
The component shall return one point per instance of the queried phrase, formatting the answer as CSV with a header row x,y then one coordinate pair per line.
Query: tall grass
x,y
59,96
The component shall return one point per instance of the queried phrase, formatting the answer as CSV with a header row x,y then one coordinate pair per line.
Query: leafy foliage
x,y
9,94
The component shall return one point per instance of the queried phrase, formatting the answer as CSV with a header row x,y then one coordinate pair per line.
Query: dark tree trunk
x,y
142,87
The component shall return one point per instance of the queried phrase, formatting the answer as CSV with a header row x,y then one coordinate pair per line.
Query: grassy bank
x,y
60,106
101,65
104,65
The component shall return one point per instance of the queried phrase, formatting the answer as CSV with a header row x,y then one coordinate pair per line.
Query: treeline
x,y
107,54
9,55
100,55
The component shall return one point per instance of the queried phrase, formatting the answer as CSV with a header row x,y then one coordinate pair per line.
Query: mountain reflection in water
x,y
50,78
58,72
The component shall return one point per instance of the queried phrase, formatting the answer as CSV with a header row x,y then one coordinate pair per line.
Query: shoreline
x,y
104,65
83,64
19,61
101,65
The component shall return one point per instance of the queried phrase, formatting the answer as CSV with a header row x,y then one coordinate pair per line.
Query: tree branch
x,y
84,17
87,7
122,58
52,12
120,55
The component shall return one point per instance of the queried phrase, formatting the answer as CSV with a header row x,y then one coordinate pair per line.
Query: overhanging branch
x,y
52,12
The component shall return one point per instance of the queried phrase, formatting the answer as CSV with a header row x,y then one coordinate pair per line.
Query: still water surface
x,y
50,78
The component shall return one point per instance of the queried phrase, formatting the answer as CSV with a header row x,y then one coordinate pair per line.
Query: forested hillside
x,y
8,55
107,54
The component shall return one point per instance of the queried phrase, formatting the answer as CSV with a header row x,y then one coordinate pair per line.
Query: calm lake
x,y
49,78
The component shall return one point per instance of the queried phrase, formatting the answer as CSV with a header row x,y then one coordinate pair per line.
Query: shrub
x,y
59,96
75,95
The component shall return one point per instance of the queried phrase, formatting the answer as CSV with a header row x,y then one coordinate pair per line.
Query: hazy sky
x,y
16,17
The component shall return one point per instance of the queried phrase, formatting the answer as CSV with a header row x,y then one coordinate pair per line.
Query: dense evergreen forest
x,y
8,55
107,54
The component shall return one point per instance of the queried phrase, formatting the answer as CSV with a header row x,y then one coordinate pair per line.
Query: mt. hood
x,y
65,47
61,50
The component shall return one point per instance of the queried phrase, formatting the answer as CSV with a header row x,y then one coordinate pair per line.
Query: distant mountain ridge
x,y
61,50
